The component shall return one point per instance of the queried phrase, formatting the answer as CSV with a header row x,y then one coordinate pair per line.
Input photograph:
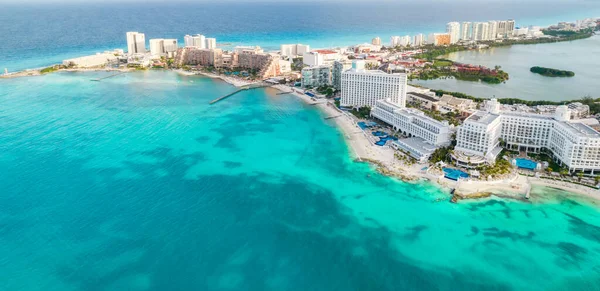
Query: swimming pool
x,y
454,174
525,164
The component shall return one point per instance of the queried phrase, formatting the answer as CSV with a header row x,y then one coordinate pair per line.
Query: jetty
x,y
332,117
244,88
109,76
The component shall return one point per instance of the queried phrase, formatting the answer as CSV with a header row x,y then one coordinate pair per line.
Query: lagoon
x,y
579,56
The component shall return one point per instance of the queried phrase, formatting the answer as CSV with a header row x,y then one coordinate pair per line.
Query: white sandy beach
x,y
363,149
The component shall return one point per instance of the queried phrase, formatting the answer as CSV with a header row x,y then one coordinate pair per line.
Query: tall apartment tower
x,y
419,40
362,87
211,43
136,43
466,29
492,30
453,28
376,41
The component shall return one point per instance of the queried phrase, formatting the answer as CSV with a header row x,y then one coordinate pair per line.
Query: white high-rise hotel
x,y
453,28
386,95
573,144
361,87
136,43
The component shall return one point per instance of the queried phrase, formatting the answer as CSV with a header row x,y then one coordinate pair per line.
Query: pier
x,y
332,117
244,88
110,76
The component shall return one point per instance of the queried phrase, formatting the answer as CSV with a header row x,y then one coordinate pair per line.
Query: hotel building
x,y
572,144
466,29
316,76
412,122
439,39
453,29
162,47
211,43
492,30
419,40
480,31
198,41
336,76
293,50
136,43
362,87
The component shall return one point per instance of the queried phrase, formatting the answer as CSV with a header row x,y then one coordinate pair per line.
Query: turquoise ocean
x,y
136,183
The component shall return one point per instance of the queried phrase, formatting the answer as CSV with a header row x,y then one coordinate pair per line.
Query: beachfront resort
x,y
410,131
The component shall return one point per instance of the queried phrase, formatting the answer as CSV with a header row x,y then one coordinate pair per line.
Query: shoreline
x,y
361,148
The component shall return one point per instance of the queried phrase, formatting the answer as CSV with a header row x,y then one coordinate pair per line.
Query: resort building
x,y
419,40
412,122
320,57
294,50
162,47
572,144
480,31
205,57
197,41
506,28
316,76
453,29
136,43
492,30
405,40
211,43
312,59
425,101
336,76
439,39
424,134
449,103
362,87
376,41
394,41
465,30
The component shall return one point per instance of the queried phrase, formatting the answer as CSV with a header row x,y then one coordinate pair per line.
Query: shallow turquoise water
x,y
136,183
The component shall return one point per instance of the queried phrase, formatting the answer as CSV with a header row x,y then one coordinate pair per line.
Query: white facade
x,y
293,50
506,28
573,144
316,76
480,31
376,41
405,40
419,40
362,87
136,43
492,30
170,45
336,73
466,29
453,28
412,122
157,47
394,41
161,47
211,43
313,59
197,41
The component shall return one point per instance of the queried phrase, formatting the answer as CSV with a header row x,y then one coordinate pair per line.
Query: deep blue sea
x,y
136,183
36,35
